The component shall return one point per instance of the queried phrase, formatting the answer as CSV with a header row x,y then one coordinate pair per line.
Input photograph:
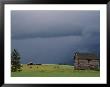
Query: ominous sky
x,y
52,36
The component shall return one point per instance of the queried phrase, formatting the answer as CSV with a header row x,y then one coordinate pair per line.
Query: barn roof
x,y
86,56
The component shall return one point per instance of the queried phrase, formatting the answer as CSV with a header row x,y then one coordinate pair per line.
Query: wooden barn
x,y
84,61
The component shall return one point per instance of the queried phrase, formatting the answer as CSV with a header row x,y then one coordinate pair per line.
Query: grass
x,y
53,70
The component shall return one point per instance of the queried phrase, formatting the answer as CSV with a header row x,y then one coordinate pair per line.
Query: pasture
x,y
53,70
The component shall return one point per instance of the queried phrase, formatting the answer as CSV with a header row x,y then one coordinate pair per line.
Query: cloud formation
x,y
53,36
32,24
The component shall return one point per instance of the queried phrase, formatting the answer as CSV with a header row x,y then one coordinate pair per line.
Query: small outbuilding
x,y
84,61
30,63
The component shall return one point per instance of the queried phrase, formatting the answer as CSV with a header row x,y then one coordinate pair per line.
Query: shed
x,y
86,61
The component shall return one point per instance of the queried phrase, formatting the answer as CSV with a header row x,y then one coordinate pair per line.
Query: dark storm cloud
x,y
53,36
32,24
55,32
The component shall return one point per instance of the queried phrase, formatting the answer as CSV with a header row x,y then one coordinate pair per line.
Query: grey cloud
x,y
33,24
53,36
66,31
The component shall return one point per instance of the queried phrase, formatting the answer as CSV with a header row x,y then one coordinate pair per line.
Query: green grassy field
x,y
53,70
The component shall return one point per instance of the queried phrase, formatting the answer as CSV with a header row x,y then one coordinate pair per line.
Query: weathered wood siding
x,y
85,64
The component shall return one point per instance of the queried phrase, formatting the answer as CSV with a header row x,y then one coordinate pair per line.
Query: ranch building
x,y
84,61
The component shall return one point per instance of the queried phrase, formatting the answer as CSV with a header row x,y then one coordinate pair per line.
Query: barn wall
x,y
81,64
84,64
94,62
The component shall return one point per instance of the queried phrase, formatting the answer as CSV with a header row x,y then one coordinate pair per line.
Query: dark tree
x,y
15,61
